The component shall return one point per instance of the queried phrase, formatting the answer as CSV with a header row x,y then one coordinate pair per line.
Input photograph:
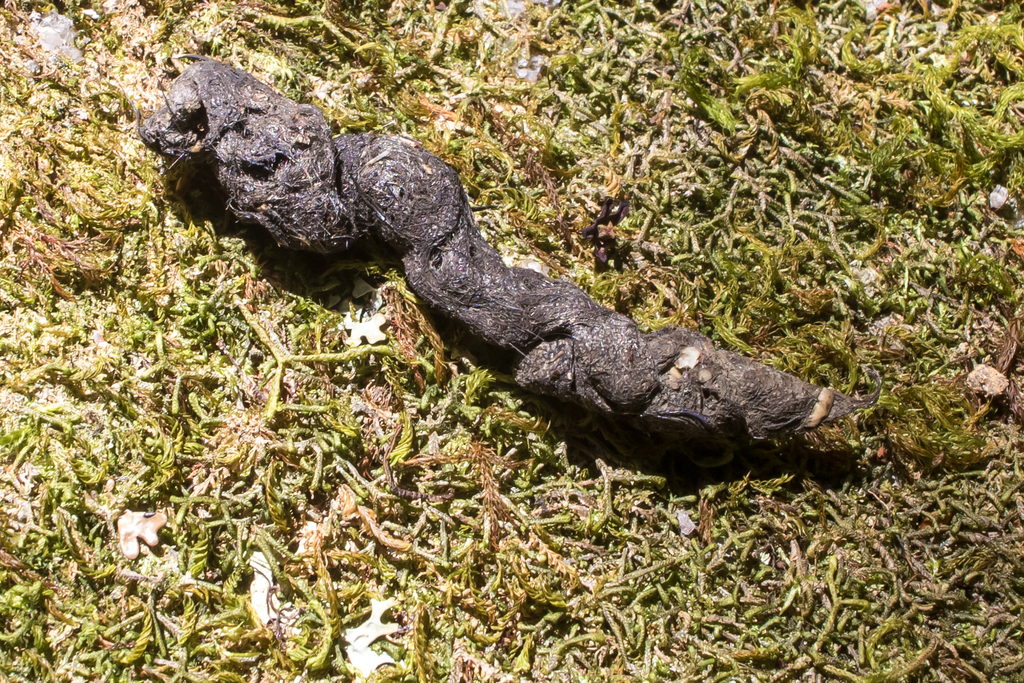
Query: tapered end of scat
x,y
833,406
706,392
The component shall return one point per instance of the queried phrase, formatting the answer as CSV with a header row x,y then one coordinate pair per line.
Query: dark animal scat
x,y
281,169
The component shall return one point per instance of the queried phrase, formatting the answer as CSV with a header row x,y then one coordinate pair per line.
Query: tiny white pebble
x,y
686,525
998,197
985,379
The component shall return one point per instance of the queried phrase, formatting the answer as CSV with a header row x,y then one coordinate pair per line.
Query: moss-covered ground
x,y
811,184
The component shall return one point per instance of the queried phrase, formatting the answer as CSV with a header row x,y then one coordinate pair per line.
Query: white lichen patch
x,y
369,330
364,660
262,598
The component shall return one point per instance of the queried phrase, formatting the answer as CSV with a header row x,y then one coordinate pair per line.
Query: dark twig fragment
x,y
604,239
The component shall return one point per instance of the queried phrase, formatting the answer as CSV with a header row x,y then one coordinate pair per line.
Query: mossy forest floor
x,y
811,184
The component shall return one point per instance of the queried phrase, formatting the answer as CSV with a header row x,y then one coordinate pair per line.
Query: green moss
x,y
808,186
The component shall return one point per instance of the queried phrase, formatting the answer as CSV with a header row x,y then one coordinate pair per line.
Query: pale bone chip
x,y
131,526
688,358
370,330
97,339
985,379
56,33
361,288
260,596
514,8
821,409
263,598
686,525
363,659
